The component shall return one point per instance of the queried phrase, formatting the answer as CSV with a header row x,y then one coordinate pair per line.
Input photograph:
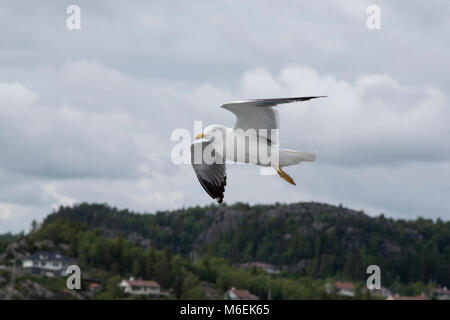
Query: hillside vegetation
x,y
193,252
308,239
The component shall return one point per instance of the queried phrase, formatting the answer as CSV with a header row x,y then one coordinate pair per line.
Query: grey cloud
x,y
376,120
58,142
216,41
87,115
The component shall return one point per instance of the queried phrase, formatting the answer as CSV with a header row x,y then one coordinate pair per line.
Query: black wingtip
x,y
306,98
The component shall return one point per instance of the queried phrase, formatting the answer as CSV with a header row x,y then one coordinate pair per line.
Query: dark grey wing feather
x,y
212,177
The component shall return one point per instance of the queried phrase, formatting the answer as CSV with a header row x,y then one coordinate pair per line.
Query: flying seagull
x,y
257,116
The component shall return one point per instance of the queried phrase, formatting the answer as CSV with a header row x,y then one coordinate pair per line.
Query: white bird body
x,y
254,140
240,149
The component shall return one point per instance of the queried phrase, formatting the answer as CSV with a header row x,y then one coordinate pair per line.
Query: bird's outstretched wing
x,y
258,113
212,176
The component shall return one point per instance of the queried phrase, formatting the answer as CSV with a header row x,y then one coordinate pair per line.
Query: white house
x,y
234,294
268,268
383,292
141,287
397,297
46,263
440,293
343,289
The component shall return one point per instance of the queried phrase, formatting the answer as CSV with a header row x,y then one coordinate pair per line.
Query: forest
x,y
311,239
311,243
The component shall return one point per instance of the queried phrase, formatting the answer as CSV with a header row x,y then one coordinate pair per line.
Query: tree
x,y
192,290
34,226
150,263
112,290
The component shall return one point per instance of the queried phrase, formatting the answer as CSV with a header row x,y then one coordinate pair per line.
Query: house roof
x,y
143,283
94,285
47,256
440,291
344,285
257,264
243,294
406,298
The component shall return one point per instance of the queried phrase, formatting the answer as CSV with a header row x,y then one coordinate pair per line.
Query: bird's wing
x,y
258,113
213,176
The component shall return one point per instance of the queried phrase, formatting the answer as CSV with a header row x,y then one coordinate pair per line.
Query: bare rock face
x,y
45,245
10,293
304,264
302,231
390,247
287,236
319,226
15,250
139,240
224,219
412,234
35,290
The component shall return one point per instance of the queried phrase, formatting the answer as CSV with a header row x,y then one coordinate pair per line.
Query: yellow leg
x,y
285,176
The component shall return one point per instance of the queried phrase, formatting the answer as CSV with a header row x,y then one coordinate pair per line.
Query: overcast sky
x,y
87,115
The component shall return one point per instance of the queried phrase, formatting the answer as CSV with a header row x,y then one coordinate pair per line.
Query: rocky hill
x,y
310,239
15,283
195,251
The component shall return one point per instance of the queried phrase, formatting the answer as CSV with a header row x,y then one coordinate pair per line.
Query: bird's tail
x,y
291,157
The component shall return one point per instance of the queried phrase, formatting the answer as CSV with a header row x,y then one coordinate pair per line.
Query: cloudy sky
x,y
87,115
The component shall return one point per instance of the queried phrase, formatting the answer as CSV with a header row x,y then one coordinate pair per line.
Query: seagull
x,y
219,142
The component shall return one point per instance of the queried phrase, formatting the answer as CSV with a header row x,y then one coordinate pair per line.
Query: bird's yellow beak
x,y
200,136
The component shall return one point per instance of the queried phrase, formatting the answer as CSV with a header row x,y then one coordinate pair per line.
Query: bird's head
x,y
212,131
